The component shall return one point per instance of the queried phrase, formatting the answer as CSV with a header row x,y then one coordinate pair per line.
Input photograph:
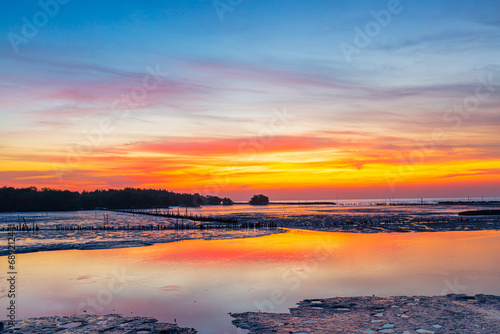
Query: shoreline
x,y
340,203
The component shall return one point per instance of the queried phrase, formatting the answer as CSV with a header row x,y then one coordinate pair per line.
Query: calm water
x,y
199,282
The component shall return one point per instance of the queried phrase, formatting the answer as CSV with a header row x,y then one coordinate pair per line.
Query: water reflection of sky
x,y
199,282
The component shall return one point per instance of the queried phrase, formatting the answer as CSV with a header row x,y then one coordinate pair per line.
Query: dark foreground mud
x,y
442,314
93,324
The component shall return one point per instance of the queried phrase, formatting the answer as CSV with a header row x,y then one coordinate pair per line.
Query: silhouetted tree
x,y
32,199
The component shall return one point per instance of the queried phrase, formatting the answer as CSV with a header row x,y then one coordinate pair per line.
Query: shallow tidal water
x,y
198,282
313,217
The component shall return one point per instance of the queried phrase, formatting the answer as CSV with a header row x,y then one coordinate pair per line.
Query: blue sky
x,y
228,71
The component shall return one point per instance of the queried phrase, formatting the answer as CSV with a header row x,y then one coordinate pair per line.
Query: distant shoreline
x,y
302,203
353,203
357,203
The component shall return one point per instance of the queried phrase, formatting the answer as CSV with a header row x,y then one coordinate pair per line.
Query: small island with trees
x,y
259,200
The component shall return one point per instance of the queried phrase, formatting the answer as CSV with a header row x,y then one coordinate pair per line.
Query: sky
x,y
296,99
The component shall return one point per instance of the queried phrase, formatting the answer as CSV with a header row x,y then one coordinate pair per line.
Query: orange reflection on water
x,y
290,246
356,248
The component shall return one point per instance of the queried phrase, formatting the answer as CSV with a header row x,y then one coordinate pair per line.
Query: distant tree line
x,y
32,199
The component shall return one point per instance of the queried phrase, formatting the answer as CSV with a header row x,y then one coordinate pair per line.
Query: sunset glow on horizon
x,y
287,99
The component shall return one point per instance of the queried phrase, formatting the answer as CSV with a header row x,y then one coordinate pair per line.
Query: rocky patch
x,y
458,314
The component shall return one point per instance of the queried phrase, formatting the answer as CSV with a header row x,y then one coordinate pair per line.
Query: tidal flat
x,y
198,283
102,229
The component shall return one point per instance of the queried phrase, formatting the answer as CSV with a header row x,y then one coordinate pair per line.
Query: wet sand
x,y
389,225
